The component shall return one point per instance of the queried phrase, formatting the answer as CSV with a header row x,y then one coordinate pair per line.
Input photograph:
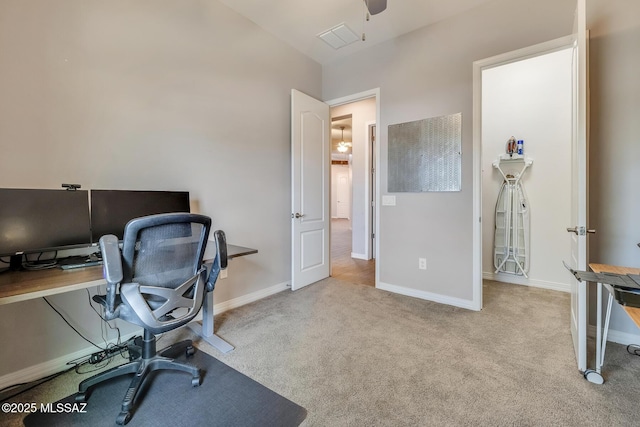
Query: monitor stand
x,y
15,263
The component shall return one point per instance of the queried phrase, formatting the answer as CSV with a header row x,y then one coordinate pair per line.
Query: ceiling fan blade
x,y
376,6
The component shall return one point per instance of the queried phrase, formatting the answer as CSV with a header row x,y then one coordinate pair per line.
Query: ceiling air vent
x,y
339,36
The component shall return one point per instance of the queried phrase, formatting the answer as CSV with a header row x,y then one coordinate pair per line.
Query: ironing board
x,y
512,225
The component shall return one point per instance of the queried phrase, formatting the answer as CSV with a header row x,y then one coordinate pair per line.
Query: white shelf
x,y
504,157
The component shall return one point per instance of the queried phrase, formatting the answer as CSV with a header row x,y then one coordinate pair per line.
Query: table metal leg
x,y
595,376
599,330
606,329
206,330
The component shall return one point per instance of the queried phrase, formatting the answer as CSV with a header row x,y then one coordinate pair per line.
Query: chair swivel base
x,y
141,368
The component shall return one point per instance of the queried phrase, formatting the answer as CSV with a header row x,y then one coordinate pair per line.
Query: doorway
x,y
353,190
526,94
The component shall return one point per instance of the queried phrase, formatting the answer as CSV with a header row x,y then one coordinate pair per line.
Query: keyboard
x,y
78,262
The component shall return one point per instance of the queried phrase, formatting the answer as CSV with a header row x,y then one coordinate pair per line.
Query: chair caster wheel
x,y
593,377
196,381
123,418
81,397
190,351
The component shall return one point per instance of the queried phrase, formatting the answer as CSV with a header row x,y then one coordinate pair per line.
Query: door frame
x,y
479,66
348,99
372,141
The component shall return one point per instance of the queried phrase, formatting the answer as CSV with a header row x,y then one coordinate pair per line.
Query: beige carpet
x,y
353,355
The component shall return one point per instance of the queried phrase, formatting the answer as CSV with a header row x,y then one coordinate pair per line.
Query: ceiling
x,y
298,22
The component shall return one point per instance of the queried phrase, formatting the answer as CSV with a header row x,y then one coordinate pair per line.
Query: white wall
x,y
160,95
531,100
428,73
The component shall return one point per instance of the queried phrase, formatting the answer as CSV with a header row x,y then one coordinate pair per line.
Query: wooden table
x,y
633,312
601,334
18,286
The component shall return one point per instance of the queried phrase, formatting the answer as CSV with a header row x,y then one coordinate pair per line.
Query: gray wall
x,y
614,157
428,73
159,95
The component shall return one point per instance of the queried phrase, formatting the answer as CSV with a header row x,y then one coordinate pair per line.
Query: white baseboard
x,y
249,298
359,256
613,335
53,366
521,280
618,337
59,364
442,299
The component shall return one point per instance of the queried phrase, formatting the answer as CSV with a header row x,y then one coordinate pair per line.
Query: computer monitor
x,y
112,209
37,220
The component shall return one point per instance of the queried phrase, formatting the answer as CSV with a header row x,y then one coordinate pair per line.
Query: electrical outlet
x,y
422,263
223,274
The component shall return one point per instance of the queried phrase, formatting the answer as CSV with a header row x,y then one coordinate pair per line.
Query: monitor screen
x,y
34,220
112,209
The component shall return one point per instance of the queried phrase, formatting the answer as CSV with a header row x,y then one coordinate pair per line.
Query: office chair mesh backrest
x,y
163,252
166,255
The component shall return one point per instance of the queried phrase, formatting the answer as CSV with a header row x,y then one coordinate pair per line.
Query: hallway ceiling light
x,y
342,145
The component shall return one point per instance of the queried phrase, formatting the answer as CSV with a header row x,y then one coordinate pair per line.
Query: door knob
x,y
297,215
580,231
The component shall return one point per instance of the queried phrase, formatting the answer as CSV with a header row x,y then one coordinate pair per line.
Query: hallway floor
x,y
344,267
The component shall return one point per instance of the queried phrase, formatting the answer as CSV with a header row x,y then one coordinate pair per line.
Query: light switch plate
x,y
388,200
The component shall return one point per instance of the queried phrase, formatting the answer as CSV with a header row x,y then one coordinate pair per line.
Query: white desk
x,y
18,286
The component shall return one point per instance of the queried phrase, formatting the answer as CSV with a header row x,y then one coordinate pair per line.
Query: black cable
x,y
39,264
33,383
55,255
77,364
118,341
108,353
636,349
71,326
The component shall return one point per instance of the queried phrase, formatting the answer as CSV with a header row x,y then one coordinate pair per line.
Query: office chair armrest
x,y
220,262
221,248
112,271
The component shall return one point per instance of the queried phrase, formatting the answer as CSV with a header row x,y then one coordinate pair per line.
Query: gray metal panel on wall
x,y
425,155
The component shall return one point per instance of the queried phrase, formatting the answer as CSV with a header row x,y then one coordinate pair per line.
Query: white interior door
x,y
342,200
579,186
310,204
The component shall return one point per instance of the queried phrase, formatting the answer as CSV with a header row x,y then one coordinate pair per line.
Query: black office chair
x,y
159,283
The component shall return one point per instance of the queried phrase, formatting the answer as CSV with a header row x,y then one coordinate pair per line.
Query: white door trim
x,y
370,205
478,67
372,93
